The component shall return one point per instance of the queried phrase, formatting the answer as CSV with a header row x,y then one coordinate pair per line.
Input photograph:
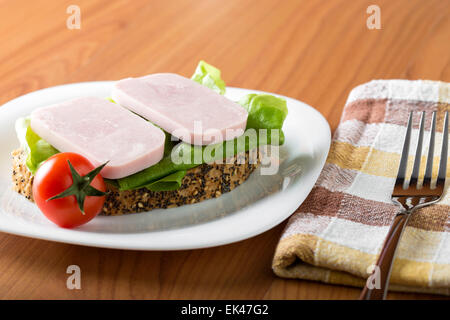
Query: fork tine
x,y
418,157
429,167
405,152
444,153
410,199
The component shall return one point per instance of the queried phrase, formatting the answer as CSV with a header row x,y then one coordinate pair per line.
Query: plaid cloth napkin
x,y
337,233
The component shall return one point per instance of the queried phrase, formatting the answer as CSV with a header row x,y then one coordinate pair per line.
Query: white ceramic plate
x,y
259,204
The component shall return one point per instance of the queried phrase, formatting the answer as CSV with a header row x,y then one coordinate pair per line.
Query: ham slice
x,y
182,107
101,131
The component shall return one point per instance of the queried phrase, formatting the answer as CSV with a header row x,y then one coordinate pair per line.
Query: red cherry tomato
x,y
53,177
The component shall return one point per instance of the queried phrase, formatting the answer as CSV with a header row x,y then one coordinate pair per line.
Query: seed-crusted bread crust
x,y
21,176
200,183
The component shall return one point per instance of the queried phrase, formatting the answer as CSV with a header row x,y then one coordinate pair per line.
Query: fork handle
x,y
384,263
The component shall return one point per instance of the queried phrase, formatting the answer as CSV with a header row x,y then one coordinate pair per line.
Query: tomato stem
x,y
81,187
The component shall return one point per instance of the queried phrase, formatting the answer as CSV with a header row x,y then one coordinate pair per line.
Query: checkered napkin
x,y
337,233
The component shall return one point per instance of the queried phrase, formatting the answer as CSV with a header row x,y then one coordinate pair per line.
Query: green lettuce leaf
x,y
168,183
188,156
209,76
169,143
39,150
265,112
152,174
21,127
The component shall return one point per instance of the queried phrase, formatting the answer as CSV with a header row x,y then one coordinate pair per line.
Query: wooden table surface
x,y
315,51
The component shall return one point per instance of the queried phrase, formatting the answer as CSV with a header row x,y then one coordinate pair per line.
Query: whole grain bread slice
x,y
200,183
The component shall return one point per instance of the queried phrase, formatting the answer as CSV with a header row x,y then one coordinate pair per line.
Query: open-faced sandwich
x,y
160,141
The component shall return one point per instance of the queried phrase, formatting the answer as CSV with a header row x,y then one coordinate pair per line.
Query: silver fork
x,y
410,196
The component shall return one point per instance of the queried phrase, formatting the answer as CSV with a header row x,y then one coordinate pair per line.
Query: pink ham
x,y
101,131
186,109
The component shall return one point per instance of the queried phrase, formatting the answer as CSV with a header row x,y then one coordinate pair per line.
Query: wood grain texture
x,y
315,51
